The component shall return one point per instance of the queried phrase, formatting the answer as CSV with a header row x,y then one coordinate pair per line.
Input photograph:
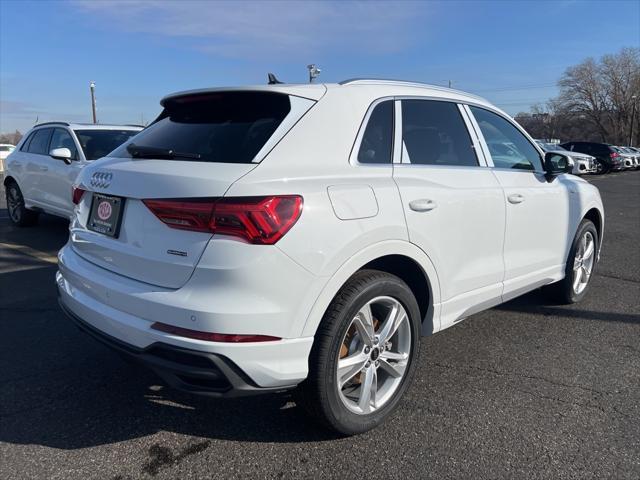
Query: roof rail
x,y
389,81
51,123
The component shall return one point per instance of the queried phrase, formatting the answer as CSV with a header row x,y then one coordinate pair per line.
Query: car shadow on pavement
x,y
61,388
50,231
537,302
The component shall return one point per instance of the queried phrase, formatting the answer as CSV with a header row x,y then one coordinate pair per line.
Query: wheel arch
x,y
8,179
595,216
400,258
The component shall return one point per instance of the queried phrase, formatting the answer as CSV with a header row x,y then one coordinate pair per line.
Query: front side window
x,y
25,144
377,142
508,147
40,142
62,139
99,143
434,133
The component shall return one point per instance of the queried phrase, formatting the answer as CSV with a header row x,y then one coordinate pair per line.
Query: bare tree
x,y
12,138
601,93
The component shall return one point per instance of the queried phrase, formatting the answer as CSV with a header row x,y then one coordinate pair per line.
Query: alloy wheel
x,y
374,355
14,204
583,262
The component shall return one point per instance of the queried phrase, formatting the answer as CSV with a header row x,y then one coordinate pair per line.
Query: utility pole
x,y
634,98
449,83
92,88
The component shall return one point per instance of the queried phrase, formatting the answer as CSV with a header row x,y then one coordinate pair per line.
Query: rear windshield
x,y
227,127
98,143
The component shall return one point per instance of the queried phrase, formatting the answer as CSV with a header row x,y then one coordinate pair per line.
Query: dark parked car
x,y
607,157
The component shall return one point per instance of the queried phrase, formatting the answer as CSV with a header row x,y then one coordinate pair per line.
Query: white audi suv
x,y
42,169
268,238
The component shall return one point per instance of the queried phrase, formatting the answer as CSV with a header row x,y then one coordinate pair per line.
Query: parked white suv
x,y
5,150
262,238
42,169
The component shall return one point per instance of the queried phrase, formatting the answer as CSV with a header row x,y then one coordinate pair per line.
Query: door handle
x,y
422,205
44,169
515,198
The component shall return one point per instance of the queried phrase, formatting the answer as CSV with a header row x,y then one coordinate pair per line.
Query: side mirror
x,y
556,163
63,154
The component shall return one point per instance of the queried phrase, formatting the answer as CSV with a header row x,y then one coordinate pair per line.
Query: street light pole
x,y
633,117
92,88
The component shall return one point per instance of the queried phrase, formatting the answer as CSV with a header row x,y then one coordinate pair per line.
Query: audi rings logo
x,y
101,179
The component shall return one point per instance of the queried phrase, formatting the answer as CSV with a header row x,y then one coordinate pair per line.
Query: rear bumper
x,y
124,310
189,370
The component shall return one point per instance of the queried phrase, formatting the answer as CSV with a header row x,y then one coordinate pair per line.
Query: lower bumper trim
x,y
193,371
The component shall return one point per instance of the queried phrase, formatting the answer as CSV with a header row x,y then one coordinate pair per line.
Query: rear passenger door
x,y
537,211
453,204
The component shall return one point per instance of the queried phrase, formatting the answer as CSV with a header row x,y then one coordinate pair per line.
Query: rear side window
x,y
434,133
225,127
509,148
99,143
62,139
377,142
40,142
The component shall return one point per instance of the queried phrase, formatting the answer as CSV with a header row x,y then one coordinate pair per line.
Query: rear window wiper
x,y
141,151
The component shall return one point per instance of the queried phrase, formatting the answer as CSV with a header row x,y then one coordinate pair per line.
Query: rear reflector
x,y
258,220
76,195
212,337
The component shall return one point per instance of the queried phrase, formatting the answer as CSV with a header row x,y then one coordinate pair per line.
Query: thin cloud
x,y
250,29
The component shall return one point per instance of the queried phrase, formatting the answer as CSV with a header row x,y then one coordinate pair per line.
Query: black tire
x,y
319,392
602,167
563,291
18,213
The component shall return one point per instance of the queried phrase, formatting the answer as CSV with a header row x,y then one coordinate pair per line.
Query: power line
x,y
524,87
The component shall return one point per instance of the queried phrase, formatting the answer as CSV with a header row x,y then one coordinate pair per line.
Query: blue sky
x,y
138,51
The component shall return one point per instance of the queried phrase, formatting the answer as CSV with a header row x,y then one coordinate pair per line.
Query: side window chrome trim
x,y
483,144
353,156
397,132
473,134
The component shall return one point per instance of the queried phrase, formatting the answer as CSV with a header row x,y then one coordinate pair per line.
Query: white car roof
x,y
377,87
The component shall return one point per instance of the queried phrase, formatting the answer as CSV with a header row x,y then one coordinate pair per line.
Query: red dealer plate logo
x,y
104,210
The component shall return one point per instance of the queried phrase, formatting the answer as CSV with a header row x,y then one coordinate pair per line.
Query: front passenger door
x,y
537,210
58,180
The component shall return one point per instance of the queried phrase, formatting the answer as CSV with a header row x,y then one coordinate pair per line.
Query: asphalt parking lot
x,y
525,390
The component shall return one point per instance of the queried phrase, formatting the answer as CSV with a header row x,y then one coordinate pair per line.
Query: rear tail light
x,y
76,195
212,337
258,220
614,154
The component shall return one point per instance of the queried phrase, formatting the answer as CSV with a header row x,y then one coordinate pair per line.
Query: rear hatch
x,y
198,147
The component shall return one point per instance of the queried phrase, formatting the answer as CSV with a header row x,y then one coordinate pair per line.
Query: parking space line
x,y
31,252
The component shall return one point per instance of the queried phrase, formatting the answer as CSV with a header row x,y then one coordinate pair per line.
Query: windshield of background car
x,y
99,143
225,127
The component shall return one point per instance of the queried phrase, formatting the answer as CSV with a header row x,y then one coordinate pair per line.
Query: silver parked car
x,y
629,159
582,163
